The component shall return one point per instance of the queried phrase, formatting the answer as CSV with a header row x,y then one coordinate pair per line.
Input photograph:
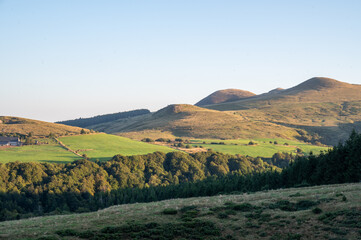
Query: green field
x,y
320,212
104,147
37,153
263,147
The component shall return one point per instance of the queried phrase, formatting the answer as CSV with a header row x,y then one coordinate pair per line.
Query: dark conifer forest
x,y
85,122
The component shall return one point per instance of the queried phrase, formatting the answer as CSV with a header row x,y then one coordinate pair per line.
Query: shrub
x,y
317,210
161,140
222,215
147,140
244,207
170,211
66,232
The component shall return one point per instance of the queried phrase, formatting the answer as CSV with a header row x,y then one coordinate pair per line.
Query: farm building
x,y
10,141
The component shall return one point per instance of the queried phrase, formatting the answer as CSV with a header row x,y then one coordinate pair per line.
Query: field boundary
x,y
66,147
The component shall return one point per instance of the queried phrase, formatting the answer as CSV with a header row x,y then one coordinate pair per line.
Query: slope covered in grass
x,y
321,212
318,110
105,146
190,121
23,126
265,147
325,108
37,153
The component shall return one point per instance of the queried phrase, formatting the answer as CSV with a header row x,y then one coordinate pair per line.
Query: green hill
x,y
105,146
37,153
95,146
321,212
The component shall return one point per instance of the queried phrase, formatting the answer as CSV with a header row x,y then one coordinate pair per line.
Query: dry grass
x,y
263,223
320,106
38,128
195,122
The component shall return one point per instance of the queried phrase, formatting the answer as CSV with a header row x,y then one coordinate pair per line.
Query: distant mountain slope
x,y
197,122
227,95
85,122
318,110
23,126
323,107
314,90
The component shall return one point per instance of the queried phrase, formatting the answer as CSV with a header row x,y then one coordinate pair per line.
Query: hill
x,y
23,126
325,108
227,95
85,122
314,90
321,212
96,147
196,122
319,110
104,146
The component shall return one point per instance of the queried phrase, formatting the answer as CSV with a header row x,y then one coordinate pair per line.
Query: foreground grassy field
x,y
322,212
37,153
264,147
104,147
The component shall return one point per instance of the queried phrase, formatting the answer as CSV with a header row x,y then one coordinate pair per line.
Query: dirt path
x,y
66,147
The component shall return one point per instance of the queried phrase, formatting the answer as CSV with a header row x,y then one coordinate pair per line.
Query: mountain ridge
x,y
317,110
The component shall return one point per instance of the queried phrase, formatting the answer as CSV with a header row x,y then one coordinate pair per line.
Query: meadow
x,y
320,212
96,146
104,146
37,153
263,147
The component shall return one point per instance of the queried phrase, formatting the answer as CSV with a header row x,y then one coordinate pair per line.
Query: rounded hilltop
x,y
226,95
317,83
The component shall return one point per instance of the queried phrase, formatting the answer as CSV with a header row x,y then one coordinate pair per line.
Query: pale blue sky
x,y
66,59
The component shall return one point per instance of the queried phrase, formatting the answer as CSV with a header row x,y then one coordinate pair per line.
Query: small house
x,y
10,141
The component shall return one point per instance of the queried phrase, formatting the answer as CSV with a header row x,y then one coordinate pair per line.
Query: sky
x,y
67,59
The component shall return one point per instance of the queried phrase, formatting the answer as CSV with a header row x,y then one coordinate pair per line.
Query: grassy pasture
x,y
104,146
320,212
37,153
263,147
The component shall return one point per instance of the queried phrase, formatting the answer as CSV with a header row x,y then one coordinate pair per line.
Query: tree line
x,y
31,189
85,122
